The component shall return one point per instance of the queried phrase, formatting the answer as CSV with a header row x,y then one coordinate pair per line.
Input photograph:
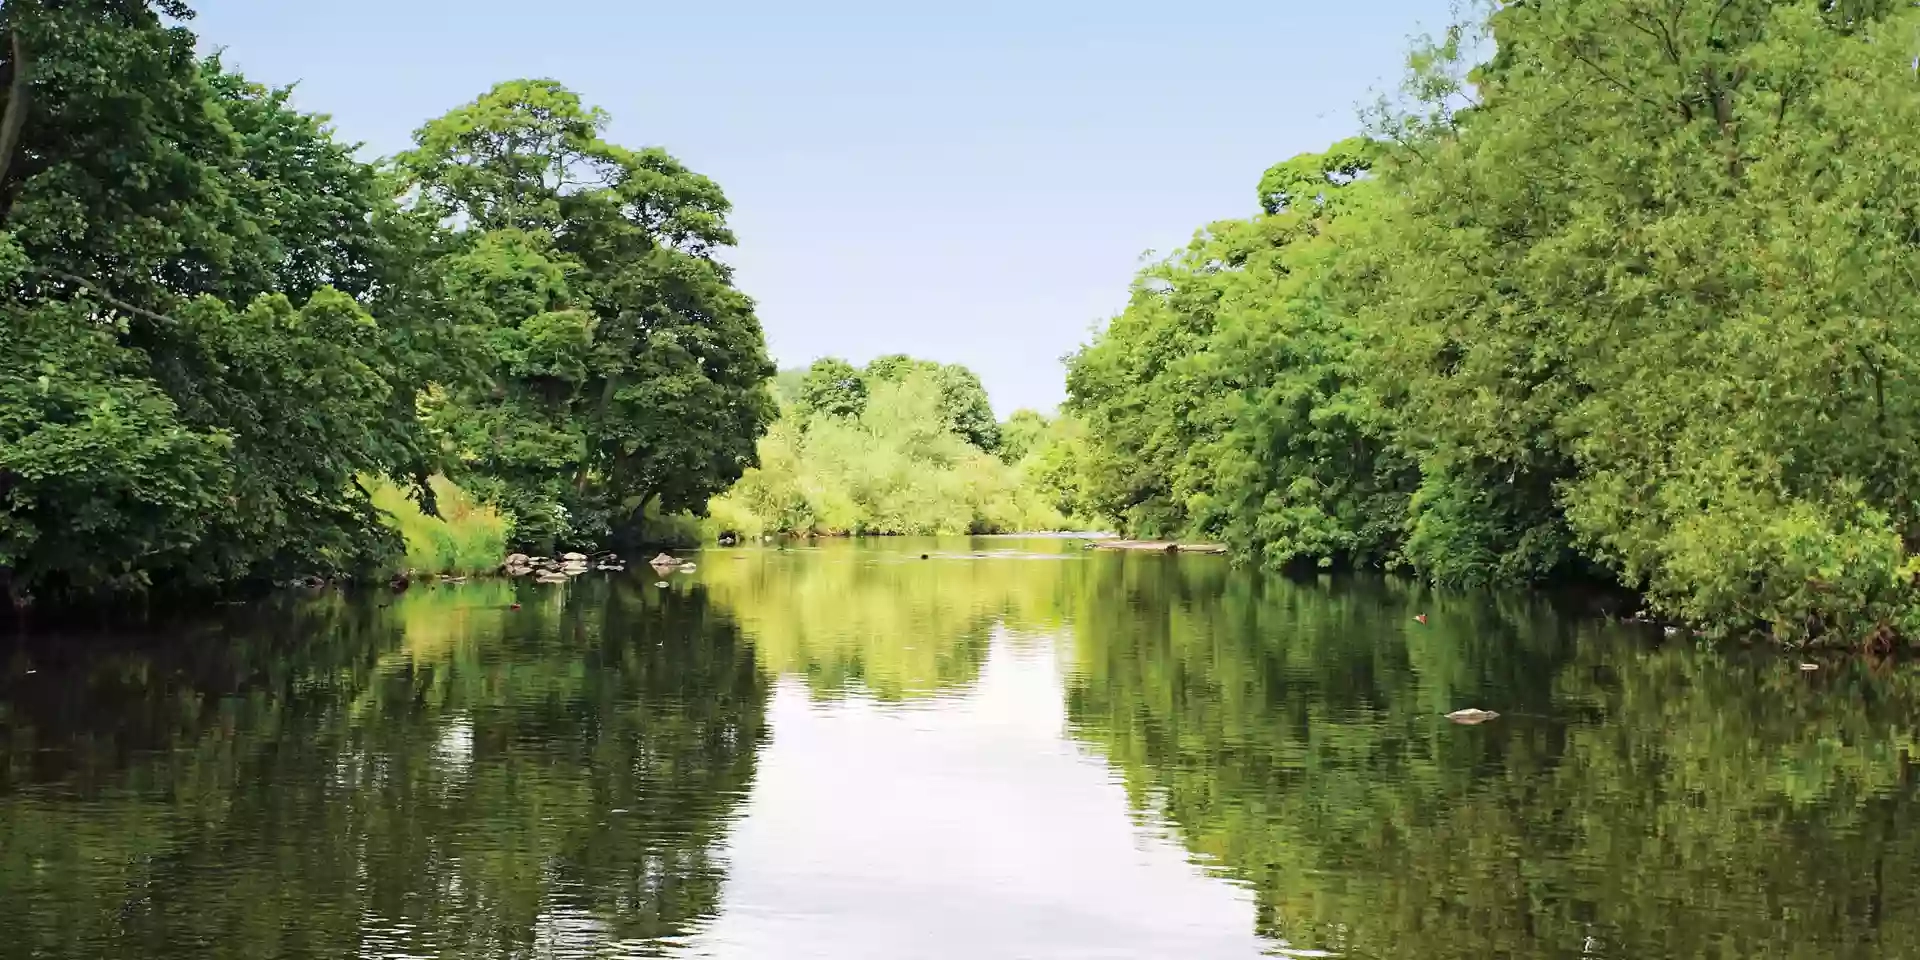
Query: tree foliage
x,y
892,449
623,367
217,319
1625,301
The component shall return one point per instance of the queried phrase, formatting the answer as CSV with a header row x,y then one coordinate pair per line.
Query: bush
x,y
468,536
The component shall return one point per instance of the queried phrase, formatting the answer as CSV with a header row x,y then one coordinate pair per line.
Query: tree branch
x,y
107,298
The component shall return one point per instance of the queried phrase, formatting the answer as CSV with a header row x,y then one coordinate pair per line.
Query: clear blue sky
x,y
968,182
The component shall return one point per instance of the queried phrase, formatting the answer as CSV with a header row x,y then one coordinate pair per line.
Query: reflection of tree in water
x,y
1636,800
883,620
444,776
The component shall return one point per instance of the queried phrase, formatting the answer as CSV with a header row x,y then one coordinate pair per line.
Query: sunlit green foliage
x,y
892,452
1624,302
1224,399
467,537
188,384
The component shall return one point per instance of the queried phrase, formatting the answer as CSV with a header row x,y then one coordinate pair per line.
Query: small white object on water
x,y
661,584
1809,667
1471,715
686,568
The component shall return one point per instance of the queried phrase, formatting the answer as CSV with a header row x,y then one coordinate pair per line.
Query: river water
x,y
1011,748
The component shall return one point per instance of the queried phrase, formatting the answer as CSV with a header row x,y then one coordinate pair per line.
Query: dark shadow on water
x,y
435,773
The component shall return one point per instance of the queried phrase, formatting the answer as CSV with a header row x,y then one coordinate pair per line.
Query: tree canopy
x,y
901,446
219,320
1623,302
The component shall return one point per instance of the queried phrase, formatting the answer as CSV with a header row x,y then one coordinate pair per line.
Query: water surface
x,y
1011,748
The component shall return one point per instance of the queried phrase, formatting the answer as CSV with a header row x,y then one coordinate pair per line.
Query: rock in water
x,y
574,557
687,568
1471,715
665,561
517,560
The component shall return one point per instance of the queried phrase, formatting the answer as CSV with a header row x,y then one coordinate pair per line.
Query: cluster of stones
x,y
558,569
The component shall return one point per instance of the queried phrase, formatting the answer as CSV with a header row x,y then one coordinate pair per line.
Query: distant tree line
x,y
901,446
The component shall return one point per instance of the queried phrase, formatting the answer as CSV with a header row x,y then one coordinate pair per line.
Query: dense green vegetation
x,y
904,446
1628,300
217,319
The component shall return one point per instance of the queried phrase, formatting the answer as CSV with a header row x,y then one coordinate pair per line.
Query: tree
x,y
963,400
1656,283
833,388
1223,402
625,370
897,467
185,395
1020,434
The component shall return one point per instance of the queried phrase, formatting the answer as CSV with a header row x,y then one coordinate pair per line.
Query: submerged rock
x,y
1471,715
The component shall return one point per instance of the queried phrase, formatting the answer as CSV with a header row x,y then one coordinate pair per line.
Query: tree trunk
x,y
14,120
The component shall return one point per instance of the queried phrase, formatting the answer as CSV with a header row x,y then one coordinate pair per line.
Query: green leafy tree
x,y
625,371
1224,403
1020,434
963,400
188,387
898,467
1650,291
832,388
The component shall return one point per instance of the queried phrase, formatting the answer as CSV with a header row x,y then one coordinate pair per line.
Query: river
x,y
1010,748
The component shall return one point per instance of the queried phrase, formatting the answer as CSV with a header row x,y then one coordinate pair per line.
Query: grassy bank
x,y
468,537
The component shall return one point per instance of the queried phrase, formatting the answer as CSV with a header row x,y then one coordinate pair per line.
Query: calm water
x,y
851,752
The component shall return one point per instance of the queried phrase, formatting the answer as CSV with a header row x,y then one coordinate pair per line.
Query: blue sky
x,y
971,183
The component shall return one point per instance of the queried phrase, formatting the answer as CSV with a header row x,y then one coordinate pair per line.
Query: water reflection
x,y
902,619
1004,749
961,827
443,775
1637,800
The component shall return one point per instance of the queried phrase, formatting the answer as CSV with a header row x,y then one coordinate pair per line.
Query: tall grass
x,y
467,537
